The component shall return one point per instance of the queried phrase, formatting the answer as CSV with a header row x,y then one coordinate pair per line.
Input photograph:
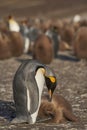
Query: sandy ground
x,y
72,84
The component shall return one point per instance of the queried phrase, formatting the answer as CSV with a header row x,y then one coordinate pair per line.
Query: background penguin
x,y
43,49
13,24
30,34
28,85
17,28
80,43
52,33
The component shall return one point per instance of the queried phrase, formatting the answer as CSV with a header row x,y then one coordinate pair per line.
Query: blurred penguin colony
x,y
42,38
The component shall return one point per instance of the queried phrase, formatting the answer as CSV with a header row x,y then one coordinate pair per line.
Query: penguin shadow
x,y
7,110
59,110
68,57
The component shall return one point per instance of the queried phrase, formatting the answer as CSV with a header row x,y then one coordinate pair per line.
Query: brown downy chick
x,y
43,49
57,111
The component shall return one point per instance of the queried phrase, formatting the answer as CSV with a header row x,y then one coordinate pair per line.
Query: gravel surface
x,y
72,84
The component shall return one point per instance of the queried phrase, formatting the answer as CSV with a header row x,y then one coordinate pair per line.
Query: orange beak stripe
x,y
50,94
53,80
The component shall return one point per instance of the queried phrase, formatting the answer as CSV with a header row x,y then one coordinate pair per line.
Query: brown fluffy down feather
x,y
67,34
11,45
43,49
80,43
58,110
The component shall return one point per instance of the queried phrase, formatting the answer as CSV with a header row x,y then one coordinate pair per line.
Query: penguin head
x,y
51,81
51,85
10,17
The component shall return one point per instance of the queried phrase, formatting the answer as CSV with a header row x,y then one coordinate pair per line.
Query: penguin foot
x,y
19,121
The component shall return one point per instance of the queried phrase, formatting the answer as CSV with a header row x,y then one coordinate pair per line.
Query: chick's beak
x,y
50,95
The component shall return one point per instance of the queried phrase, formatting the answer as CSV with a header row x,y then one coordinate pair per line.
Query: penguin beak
x,y
50,95
51,85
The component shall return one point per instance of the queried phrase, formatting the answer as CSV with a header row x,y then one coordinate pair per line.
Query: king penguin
x,y
53,34
13,24
28,84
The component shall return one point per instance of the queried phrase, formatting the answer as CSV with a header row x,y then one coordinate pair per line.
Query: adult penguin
x,y
13,25
28,85
53,34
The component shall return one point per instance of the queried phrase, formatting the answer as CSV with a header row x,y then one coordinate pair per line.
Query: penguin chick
x,y
43,49
28,85
57,111
80,43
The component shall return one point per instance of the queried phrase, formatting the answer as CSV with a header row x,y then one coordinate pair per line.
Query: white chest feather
x,y
14,26
26,45
40,83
